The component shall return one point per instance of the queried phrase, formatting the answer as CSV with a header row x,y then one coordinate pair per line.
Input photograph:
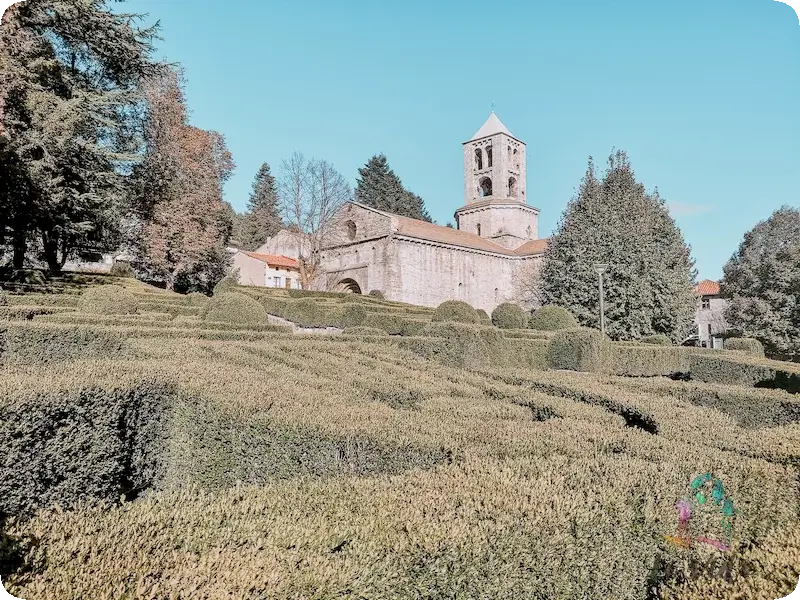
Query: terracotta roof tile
x,y
275,261
532,247
707,288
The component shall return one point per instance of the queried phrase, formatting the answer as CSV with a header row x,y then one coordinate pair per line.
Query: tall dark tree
x,y
262,218
69,97
380,187
649,282
762,284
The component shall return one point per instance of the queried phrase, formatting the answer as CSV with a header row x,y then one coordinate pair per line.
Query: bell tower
x,y
495,183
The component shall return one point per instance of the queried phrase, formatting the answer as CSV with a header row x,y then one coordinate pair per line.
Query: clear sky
x,y
703,95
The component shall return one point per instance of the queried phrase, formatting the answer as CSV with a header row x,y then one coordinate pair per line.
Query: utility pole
x,y
601,268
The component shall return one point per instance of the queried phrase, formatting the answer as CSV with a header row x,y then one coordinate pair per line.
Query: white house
x,y
710,315
267,270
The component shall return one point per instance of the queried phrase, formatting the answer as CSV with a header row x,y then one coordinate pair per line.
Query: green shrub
x,y
227,284
307,313
658,339
392,324
455,311
749,345
361,330
33,342
108,300
552,318
3,298
122,269
713,367
352,316
647,360
459,345
578,350
377,294
196,299
483,316
86,443
235,307
411,327
509,316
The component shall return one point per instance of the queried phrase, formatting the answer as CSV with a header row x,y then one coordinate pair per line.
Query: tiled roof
x,y
275,261
707,288
456,237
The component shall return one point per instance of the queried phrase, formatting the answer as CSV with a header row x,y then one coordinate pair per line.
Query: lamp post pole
x,y
601,268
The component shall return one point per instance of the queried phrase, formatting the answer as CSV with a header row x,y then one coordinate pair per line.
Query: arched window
x,y
512,187
485,187
479,228
516,160
489,157
478,159
351,230
528,231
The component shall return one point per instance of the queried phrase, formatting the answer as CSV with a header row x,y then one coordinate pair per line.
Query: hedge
x,y
108,300
483,316
455,311
713,367
88,443
352,316
658,339
235,307
226,284
363,331
642,360
509,316
578,350
196,299
26,343
377,294
552,318
3,298
749,345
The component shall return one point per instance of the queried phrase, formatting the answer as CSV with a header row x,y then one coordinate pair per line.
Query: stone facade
x,y
480,262
710,315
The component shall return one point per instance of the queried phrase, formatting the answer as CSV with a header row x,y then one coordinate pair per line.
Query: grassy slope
x,y
545,492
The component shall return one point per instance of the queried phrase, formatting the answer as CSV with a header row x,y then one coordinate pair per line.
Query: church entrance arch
x,y
349,286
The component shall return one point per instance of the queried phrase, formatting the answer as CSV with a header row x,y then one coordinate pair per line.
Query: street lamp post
x,y
601,268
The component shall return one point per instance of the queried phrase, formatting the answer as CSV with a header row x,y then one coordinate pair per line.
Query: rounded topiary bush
x,y
236,308
108,300
749,345
456,311
360,330
377,294
509,316
552,318
658,339
578,350
226,284
483,316
352,316
122,269
196,299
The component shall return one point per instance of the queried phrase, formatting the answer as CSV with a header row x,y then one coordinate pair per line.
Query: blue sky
x,y
703,95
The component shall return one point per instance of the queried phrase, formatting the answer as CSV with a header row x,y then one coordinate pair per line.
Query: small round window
x,y
351,230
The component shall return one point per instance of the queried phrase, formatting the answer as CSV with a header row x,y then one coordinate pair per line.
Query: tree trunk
x,y
50,244
20,249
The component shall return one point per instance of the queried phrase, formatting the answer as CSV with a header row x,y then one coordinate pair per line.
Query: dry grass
x,y
546,484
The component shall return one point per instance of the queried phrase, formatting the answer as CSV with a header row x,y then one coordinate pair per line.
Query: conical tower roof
x,y
492,126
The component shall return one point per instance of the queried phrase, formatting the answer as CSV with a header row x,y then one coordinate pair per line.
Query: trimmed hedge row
x,y
578,350
25,343
234,308
26,313
108,300
749,345
658,339
40,299
734,370
90,443
365,331
646,361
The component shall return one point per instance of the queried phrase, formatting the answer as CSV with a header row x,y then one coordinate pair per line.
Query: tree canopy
x,y
762,285
262,218
380,187
649,282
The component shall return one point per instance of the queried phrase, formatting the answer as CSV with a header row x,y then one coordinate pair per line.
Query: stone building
x,y
710,315
266,270
482,261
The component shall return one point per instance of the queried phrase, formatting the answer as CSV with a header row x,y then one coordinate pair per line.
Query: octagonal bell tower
x,y
495,206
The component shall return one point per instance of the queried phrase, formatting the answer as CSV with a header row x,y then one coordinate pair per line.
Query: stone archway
x,y
349,286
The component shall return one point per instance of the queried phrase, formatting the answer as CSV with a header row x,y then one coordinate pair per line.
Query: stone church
x,y
494,245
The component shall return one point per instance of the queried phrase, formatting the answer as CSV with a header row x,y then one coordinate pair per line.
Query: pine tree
x,y
70,88
649,281
379,187
762,285
262,219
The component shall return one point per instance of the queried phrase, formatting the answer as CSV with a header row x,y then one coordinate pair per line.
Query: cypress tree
x,y
649,281
762,285
262,219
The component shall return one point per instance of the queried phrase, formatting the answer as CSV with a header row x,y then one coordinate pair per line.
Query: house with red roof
x,y
710,315
266,270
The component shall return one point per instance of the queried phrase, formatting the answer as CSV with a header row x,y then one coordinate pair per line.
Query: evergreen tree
x,y
762,285
379,187
68,96
261,219
649,281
